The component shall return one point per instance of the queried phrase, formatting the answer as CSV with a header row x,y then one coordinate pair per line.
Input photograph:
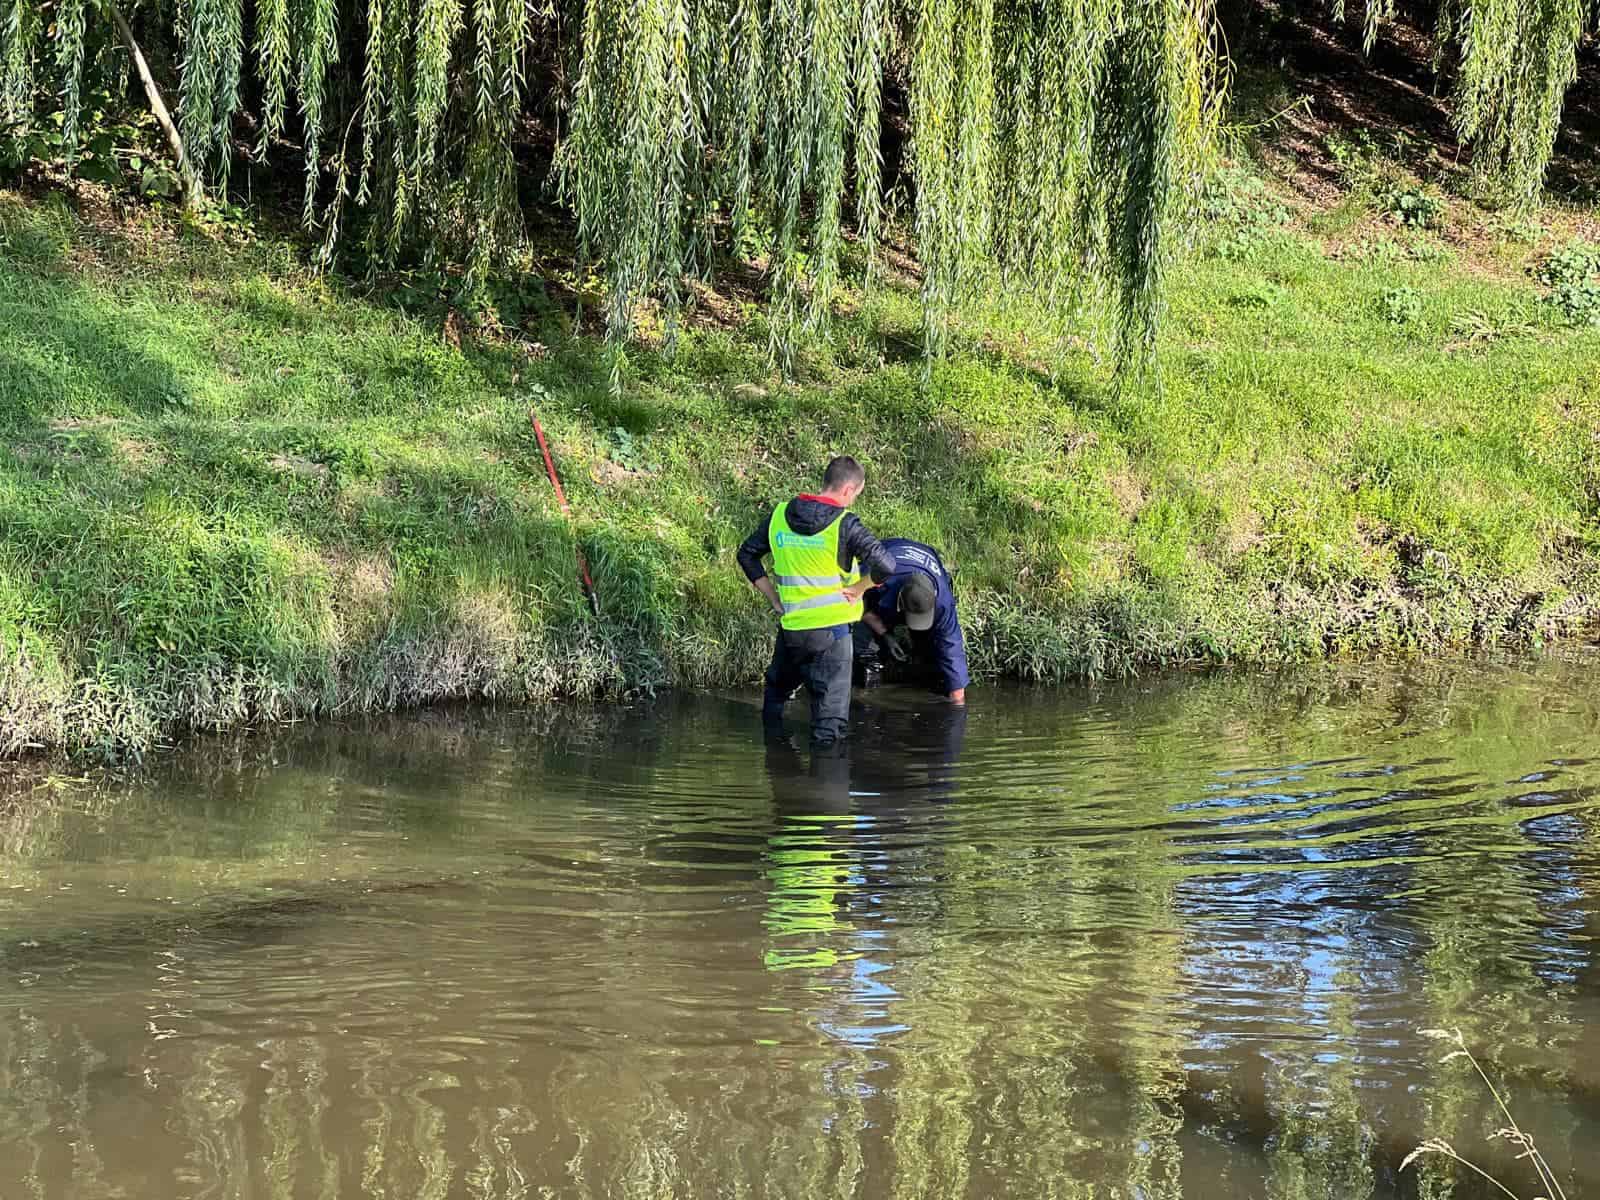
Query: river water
x,y
1176,938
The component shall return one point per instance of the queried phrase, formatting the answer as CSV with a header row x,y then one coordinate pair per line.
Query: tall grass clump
x,y
1520,1141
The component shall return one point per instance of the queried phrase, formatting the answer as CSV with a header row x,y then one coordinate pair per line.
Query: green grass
x,y
233,492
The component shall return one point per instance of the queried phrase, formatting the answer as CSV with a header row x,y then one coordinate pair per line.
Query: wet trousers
x,y
819,659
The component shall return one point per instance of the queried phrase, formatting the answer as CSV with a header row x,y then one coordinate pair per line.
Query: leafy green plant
x,y
1356,159
1572,274
1578,302
1401,305
1414,207
625,450
1240,212
1573,262
107,146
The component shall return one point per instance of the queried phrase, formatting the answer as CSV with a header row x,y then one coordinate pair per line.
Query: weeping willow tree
x,y
407,108
1517,60
1512,63
1049,144
1048,141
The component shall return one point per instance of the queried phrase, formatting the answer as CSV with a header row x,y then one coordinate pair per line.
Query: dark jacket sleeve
x,y
859,544
949,650
754,548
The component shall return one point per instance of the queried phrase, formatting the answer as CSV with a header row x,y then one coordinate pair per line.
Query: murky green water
x,y
1173,939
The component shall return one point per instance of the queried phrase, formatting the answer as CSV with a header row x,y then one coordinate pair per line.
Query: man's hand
x,y
897,650
959,696
857,590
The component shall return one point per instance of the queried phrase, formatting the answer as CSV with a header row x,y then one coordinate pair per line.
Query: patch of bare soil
x,y
1127,492
293,464
608,473
1316,81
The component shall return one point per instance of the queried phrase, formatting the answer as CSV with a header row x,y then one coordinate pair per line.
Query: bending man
x,y
816,546
918,595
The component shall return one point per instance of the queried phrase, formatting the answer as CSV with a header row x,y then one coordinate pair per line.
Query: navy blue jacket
x,y
943,642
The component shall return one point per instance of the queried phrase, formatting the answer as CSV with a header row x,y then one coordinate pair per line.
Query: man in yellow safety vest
x,y
818,550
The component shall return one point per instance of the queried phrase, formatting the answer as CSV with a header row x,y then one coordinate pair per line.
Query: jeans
x,y
820,659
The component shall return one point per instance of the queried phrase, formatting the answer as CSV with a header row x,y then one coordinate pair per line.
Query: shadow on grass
x,y
58,344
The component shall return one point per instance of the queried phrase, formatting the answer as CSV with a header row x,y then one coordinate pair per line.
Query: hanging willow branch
x,y
19,29
1375,13
1050,142
1045,144
71,44
1515,60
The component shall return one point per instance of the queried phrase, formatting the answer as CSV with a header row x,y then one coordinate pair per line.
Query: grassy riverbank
x,y
231,491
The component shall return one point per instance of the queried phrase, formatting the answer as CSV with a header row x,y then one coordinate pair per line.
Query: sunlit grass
x,y
233,491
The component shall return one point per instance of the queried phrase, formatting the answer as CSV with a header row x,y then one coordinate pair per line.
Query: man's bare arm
x,y
764,586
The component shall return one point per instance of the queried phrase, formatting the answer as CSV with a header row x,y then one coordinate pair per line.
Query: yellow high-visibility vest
x,y
805,569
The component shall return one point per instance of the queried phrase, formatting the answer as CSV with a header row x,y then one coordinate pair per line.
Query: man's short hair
x,y
842,472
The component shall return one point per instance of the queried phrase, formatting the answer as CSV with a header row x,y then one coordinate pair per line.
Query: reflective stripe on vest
x,y
807,576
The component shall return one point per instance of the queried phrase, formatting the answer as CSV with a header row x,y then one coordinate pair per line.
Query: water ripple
x,y
1164,939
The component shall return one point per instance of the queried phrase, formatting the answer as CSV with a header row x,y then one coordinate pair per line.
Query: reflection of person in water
x,y
903,757
831,807
808,863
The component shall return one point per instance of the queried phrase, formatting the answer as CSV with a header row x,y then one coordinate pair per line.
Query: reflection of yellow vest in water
x,y
806,880
806,572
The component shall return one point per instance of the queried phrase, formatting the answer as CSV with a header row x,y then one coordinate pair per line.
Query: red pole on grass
x,y
566,510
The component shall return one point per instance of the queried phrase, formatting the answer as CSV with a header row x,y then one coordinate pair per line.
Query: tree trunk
x,y
188,179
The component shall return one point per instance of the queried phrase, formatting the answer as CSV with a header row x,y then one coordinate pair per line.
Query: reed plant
x,y
1520,1140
